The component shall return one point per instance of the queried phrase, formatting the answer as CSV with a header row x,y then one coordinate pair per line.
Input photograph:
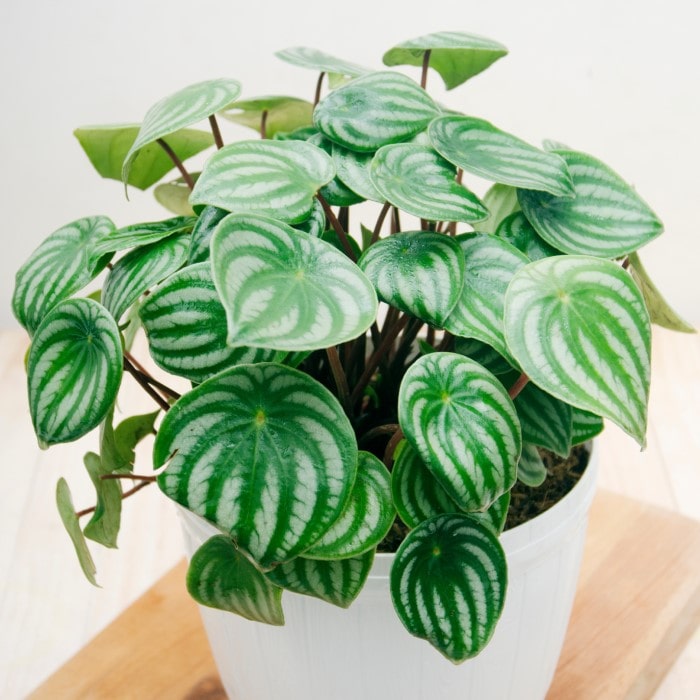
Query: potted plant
x,y
352,387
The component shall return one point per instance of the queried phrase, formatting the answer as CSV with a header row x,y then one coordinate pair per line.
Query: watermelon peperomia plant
x,y
341,375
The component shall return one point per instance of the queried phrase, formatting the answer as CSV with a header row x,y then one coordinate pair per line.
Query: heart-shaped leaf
x,y
276,178
531,469
143,234
74,370
181,109
337,582
367,517
220,576
202,232
306,57
274,284
282,113
478,147
501,201
459,418
518,231
374,110
605,218
419,272
353,169
263,451
579,329
186,327
336,192
585,426
421,182
64,263
456,56
103,526
141,269
448,584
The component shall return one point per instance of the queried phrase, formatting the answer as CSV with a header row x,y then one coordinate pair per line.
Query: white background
x,y
617,79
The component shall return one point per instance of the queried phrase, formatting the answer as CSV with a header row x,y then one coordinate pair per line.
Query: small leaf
x,y
456,56
482,353
353,169
117,446
374,110
202,232
448,584
501,201
138,235
531,469
306,57
585,426
282,113
518,231
175,196
331,236
220,576
105,521
64,502
315,225
336,192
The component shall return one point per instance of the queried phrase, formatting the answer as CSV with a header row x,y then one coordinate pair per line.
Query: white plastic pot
x,y
364,653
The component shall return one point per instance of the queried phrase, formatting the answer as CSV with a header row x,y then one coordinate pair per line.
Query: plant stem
x,y
126,494
145,385
216,131
263,124
319,83
430,336
344,218
518,386
387,429
396,221
135,477
177,163
343,237
341,381
151,380
626,262
424,73
446,341
380,221
391,447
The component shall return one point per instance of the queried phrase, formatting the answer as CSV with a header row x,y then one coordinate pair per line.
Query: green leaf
x,y
579,329
202,232
337,582
306,57
501,201
531,469
315,225
482,353
303,133
605,218
117,446
220,576
186,327
175,196
275,178
283,114
181,109
138,235
368,514
64,502
419,272
336,192
140,269
518,231
659,309
105,521
462,423
585,426
448,584
331,236
274,284
490,264
63,264
456,56
421,182
478,147
106,147
264,452
74,370
374,110
353,169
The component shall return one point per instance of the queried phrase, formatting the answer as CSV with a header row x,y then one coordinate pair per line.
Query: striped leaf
x,y
63,264
501,201
353,169
448,584
174,196
482,353
337,582
306,57
104,524
456,56
462,423
186,327
585,426
336,192
606,218
264,452
419,272
478,147
579,329
374,110
220,576
202,232
531,469
181,109
315,225
419,181
282,113
490,264
143,234
275,285
74,370
276,178
518,231
141,269
368,515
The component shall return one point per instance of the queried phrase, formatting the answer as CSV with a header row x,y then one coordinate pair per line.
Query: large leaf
x,y
478,147
142,234
106,147
459,418
419,272
103,526
74,370
282,113
501,201
374,110
353,169
202,232
367,517
456,56
518,231
186,327
220,576
579,329
419,181
605,218
181,109
448,584
276,178
275,285
63,264
337,582
306,57
263,451
140,269
66,510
